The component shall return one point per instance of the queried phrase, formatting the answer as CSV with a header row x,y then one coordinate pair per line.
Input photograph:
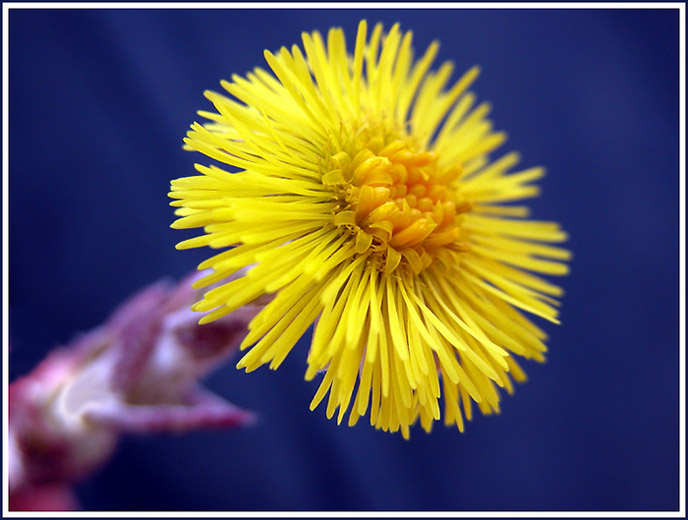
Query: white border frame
x,y
681,513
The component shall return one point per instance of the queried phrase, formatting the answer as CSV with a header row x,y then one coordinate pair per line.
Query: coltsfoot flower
x,y
363,196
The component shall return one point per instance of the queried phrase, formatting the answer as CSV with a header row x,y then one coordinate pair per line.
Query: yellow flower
x,y
363,196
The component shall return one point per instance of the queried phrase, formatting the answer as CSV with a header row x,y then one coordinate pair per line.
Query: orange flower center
x,y
398,203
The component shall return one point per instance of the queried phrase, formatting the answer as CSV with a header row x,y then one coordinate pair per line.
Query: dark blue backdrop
x,y
99,103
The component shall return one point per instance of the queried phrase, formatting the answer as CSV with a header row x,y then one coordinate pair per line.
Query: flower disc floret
x,y
397,203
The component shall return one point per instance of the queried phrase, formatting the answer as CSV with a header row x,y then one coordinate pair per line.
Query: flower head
x,y
363,196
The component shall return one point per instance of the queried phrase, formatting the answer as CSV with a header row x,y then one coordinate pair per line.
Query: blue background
x,y
99,103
